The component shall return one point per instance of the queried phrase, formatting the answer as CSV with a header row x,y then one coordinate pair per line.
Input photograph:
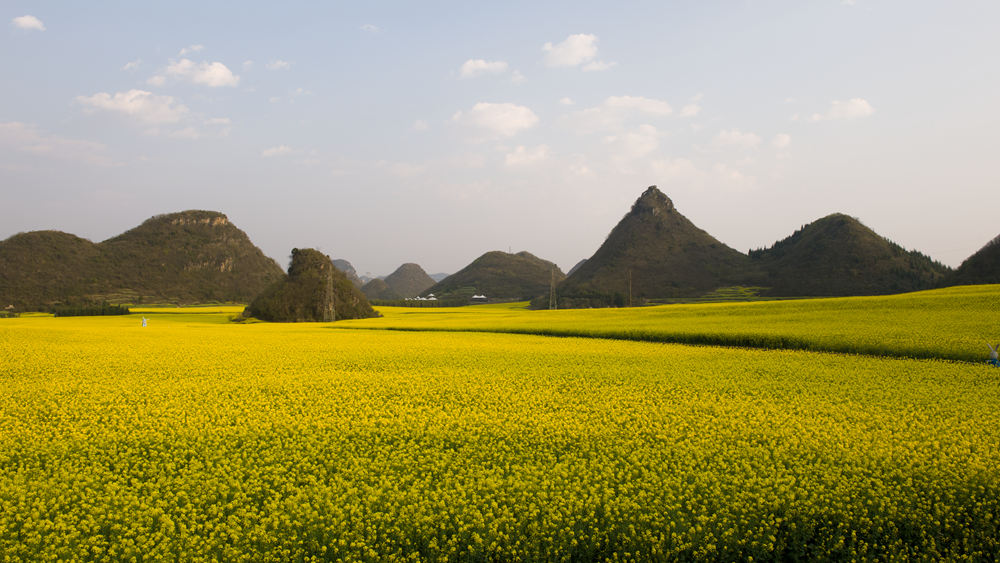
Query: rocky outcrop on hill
x,y
313,290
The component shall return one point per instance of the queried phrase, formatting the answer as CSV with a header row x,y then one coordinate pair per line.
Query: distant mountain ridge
x,y
187,257
348,269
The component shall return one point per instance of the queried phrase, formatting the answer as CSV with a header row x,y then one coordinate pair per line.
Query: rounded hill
x,y
501,275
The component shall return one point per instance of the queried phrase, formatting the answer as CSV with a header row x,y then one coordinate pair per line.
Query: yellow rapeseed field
x,y
199,439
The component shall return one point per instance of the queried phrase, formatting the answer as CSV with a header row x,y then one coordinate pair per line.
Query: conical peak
x,y
652,200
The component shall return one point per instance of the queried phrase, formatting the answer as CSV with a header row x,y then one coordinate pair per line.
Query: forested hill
x,y
501,275
186,257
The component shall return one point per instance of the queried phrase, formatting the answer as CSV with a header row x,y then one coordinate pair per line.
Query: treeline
x,y
104,309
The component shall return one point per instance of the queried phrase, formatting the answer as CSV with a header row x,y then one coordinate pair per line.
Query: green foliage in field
x,y
103,309
953,323
198,439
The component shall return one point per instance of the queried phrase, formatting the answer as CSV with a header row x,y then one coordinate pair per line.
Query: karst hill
x,y
982,267
839,256
408,280
187,257
501,275
314,290
655,252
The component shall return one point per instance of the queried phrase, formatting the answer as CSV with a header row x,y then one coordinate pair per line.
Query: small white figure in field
x,y
144,322
993,354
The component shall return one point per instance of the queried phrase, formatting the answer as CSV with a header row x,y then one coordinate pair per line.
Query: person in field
x,y
993,355
144,322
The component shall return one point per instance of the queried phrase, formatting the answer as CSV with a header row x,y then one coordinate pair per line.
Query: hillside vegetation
x,y
836,256
982,267
187,257
501,275
656,253
314,290
409,280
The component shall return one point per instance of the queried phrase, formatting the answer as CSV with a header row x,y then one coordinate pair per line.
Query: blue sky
x,y
391,132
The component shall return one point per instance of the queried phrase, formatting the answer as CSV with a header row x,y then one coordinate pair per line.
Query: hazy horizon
x,y
392,133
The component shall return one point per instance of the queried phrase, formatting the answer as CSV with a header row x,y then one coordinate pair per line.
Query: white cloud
x,y
156,80
278,65
370,28
613,113
737,138
633,145
690,110
190,49
132,65
566,101
222,125
523,155
725,175
420,125
478,67
214,74
404,169
682,171
516,77
247,64
276,151
850,109
676,170
503,120
579,167
27,139
186,133
28,22
573,51
141,105
640,104
781,141
597,66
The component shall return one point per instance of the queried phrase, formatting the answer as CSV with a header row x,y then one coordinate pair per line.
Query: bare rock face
x,y
313,291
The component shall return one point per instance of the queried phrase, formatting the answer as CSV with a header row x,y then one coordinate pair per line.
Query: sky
x,y
433,132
